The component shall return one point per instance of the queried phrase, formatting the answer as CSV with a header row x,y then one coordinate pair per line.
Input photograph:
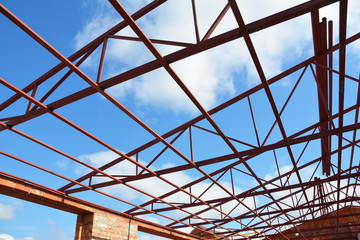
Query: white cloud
x,y
7,211
49,228
353,17
97,25
4,236
353,28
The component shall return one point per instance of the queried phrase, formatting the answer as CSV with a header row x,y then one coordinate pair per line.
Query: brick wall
x,y
102,225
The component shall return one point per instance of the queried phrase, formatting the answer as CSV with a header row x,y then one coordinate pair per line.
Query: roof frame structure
x,y
308,199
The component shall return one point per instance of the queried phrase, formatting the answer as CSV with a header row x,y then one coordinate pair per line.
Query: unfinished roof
x,y
234,118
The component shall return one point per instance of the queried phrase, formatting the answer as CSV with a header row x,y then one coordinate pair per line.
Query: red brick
x,y
105,226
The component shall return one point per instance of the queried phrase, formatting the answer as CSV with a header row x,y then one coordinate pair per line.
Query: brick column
x,y
103,225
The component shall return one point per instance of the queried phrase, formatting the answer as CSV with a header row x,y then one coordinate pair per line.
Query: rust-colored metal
x,y
216,22
285,201
320,45
30,191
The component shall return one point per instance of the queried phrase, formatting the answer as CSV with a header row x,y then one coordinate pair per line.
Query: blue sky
x,y
213,77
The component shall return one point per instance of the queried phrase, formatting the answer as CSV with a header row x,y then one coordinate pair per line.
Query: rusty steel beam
x,y
29,191
320,45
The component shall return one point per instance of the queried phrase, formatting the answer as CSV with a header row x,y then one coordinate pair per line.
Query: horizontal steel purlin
x,y
24,189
